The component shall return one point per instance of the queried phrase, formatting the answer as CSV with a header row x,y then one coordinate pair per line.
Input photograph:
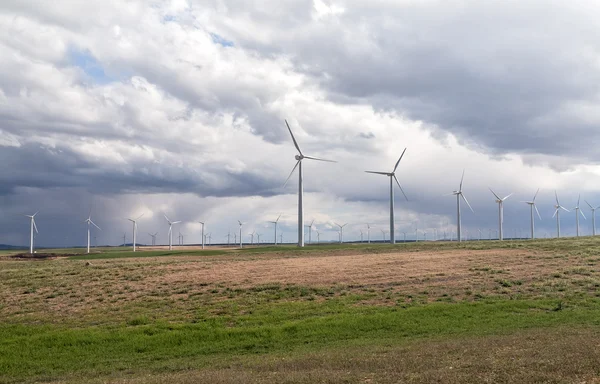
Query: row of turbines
x,y
299,157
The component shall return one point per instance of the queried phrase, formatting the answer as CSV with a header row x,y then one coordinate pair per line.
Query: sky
x,y
178,108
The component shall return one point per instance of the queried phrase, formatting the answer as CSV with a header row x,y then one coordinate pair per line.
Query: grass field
x,y
513,311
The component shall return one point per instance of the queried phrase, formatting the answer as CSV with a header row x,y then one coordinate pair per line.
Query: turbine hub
x,y
299,157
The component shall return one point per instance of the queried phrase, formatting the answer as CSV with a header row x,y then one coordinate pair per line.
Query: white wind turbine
x,y
500,212
275,222
202,222
241,242
153,236
34,227
171,231
251,237
368,233
299,158
458,195
89,221
577,212
593,217
341,231
310,231
134,221
392,176
532,206
557,214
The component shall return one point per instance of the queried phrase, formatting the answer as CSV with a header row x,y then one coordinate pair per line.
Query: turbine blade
x,y
555,212
378,173
291,173
34,226
461,180
538,212
556,194
507,196
580,211
398,162
578,199
467,201
589,205
565,209
293,138
177,222
94,224
35,214
312,222
399,186
497,197
315,158
534,196
140,216
133,221
167,218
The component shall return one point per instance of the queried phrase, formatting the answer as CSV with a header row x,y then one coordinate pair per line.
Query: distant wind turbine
x,y
458,195
299,158
392,176
153,236
341,231
577,212
593,217
88,221
275,222
171,231
310,231
557,214
134,221
500,202
368,233
251,238
34,227
383,233
202,222
532,206
241,242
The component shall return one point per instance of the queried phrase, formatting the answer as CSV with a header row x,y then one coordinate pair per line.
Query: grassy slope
x,y
37,347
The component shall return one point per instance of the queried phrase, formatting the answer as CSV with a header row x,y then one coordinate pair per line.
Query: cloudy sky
x,y
178,107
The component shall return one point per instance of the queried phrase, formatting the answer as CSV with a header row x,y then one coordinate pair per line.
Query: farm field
x,y
512,311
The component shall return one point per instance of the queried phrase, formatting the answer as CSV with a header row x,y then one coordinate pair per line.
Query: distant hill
x,y
6,246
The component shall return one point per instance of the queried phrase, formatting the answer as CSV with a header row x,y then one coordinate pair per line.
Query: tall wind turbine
x,y
310,231
368,233
577,212
392,176
34,227
241,242
341,231
593,217
202,222
171,231
557,214
88,221
275,222
532,206
500,212
134,221
299,158
458,195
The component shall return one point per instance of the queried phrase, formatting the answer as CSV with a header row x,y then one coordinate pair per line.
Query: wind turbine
x,y
33,226
251,238
135,228
202,222
88,221
275,222
299,158
153,236
500,212
310,231
318,237
593,217
171,231
392,176
368,233
258,237
557,214
361,236
577,212
460,194
341,231
532,206
241,242
383,233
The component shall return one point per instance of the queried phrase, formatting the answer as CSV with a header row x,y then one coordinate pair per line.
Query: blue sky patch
x,y
221,40
88,63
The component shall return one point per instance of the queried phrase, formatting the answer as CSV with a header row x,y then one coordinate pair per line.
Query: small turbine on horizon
x,y
532,206
275,222
557,214
593,217
299,158
241,242
202,222
34,227
171,230
134,221
500,213
458,195
392,176
341,231
577,212
89,221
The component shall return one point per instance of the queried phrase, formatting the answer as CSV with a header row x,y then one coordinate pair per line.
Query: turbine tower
x,y
241,242
171,231
392,176
532,206
153,236
341,231
593,218
310,231
368,233
202,222
134,221
88,221
577,212
299,158
458,195
34,227
500,213
275,222
557,214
